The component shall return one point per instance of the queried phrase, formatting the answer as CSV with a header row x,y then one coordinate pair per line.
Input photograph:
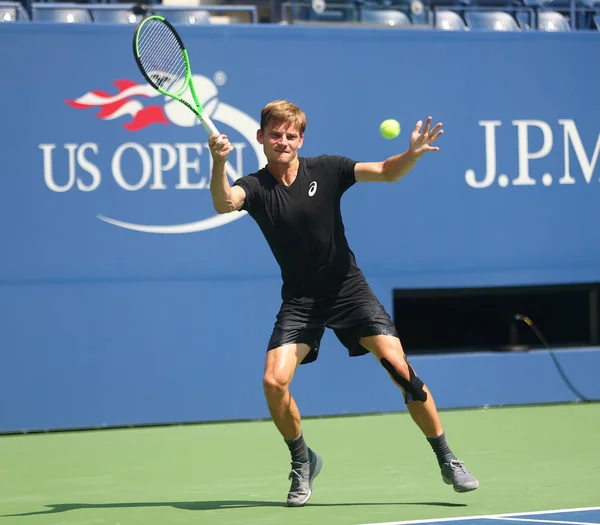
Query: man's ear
x,y
259,136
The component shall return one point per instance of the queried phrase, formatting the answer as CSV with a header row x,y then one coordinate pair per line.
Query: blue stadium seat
x,y
582,7
449,21
491,21
388,17
184,16
416,10
597,21
435,6
552,21
61,13
12,12
8,14
524,15
329,11
115,16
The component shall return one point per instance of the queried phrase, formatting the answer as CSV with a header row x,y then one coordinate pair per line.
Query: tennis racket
x,y
163,60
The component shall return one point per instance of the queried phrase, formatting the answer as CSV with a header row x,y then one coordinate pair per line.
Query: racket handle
x,y
210,128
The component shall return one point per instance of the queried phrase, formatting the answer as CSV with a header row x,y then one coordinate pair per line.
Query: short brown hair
x,y
280,111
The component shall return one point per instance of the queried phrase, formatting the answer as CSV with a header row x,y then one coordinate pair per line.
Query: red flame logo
x,y
124,103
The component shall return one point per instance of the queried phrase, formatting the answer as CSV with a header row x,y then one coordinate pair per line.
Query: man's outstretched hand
x,y
421,142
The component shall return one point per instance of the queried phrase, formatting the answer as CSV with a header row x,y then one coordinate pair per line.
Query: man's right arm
x,y
225,197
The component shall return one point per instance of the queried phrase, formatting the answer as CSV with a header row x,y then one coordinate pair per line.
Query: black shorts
x,y
351,318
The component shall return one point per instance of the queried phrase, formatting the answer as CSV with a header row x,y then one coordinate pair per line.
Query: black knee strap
x,y
413,389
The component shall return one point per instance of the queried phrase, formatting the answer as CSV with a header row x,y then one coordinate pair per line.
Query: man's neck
x,y
285,173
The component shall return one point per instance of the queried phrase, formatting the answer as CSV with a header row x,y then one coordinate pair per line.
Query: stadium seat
x,y
523,14
329,15
597,21
12,12
491,21
416,10
449,21
184,16
326,11
552,21
62,14
388,17
115,16
8,14
436,6
582,9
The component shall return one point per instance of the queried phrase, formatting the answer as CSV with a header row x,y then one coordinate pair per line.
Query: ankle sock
x,y
298,449
441,449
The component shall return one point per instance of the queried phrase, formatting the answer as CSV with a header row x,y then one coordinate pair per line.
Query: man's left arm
x,y
394,168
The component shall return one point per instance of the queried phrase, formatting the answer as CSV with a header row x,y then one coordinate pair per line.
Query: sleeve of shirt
x,y
344,167
250,185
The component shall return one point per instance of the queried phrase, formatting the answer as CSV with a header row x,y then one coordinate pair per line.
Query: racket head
x,y
163,60
161,56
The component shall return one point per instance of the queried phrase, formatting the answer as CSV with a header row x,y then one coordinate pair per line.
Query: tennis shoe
x,y
455,473
302,476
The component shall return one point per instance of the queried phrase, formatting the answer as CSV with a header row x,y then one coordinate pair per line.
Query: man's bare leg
x,y
421,406
280,366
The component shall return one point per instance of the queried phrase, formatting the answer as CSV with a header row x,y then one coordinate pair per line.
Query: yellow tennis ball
x,y
389,129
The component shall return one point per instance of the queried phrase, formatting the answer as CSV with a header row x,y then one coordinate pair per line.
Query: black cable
x,y
529,322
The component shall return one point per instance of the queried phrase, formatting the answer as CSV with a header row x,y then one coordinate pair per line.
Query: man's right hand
x,y
220,147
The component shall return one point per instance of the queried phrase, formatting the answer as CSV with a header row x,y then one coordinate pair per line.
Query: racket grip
x,y
210,128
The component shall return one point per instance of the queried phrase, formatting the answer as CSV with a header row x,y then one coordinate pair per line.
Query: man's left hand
x,y
421,142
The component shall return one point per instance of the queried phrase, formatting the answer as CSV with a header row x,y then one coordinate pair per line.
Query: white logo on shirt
x,y
312,189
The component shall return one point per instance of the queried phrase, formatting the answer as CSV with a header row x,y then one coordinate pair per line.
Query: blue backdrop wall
x,y
125,299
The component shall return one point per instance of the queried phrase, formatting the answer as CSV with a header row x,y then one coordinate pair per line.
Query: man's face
x,y
281,142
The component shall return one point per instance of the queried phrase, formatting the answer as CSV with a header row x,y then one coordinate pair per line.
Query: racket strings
x,y
161,56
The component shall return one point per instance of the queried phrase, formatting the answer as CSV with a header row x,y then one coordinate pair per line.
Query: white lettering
x,y
88,166
524,154
587,167
135,167
185,165
146,166
159,167
490,155
48,172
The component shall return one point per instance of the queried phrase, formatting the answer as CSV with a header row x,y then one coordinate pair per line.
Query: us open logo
x,y
135,108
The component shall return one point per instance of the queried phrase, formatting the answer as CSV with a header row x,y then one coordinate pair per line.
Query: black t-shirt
x,y
303,225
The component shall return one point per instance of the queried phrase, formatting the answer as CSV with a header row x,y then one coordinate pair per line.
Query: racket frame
x,y
187,83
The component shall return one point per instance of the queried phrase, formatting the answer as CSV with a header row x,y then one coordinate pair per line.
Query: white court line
x,y
542,521
486,516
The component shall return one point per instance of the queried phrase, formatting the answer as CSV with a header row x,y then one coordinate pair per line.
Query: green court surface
x,y
376,469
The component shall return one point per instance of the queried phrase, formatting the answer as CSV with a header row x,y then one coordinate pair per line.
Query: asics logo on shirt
x,y
312,189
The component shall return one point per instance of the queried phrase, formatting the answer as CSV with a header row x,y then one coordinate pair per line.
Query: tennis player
x,y
296,203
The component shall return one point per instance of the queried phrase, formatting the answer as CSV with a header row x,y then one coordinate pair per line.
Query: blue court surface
x,y
580,516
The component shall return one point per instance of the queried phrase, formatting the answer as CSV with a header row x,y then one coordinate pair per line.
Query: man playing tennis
x,y
296,203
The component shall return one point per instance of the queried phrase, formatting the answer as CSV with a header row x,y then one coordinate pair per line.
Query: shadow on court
x,y
215,505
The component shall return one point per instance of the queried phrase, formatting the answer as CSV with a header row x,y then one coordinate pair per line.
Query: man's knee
x,y
412,386
274,383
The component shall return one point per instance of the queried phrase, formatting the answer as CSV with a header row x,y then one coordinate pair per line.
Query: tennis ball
x,y
389,129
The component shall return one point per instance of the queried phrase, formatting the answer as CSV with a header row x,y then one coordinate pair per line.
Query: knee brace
x,y
413,389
